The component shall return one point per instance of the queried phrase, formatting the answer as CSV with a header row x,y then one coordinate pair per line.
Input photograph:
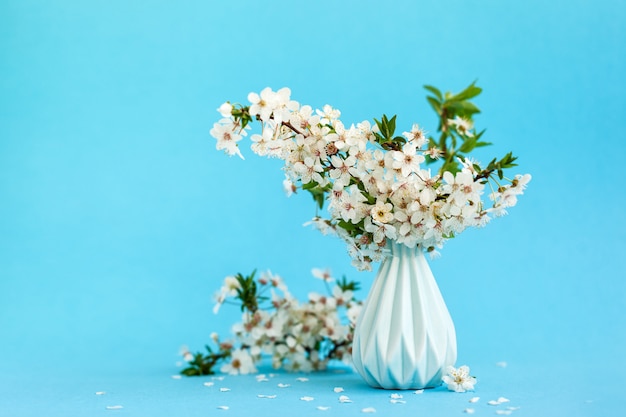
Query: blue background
x,y
119,219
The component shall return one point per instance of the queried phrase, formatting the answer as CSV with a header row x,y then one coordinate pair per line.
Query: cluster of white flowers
x,y
297,336
375,194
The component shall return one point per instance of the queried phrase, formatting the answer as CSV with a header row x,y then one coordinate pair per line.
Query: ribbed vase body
x,y
404,337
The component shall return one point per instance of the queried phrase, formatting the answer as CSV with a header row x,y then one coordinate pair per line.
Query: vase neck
x,y
402,250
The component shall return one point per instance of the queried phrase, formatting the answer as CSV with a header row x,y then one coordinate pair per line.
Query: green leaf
x,y
392,126
468,145
346,285
462,108
434,104
469,107
309,185
435,91
469,92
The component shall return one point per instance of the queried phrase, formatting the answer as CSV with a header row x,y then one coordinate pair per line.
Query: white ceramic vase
x,y
404,337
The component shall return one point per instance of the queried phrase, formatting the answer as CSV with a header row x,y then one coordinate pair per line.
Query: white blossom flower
x,y
463,126
407,161
381,231
459,380
226,109
342,297
343,169
186,354
227,138
310,170
229,289
323,274
240,363
263,104
416,135
382,212
328,114
303,118
289,187
434,153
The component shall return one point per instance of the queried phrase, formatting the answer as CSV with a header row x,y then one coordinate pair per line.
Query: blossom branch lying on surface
x,y
377,184
297,336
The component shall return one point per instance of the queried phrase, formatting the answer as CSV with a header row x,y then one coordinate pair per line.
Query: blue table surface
x,y
532,390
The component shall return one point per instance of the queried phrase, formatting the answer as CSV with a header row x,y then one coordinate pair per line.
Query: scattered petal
x,y
224,389
217,378
419,391
368,410
271,397
114,407
176,377
262,379
306,398
272,375
100,392
284,385
209,384
338,389
469,411
394,401
344,399
499,401
322,408
223,407
513,408
396,396
179,364
504,412
302,379
474,399
501,364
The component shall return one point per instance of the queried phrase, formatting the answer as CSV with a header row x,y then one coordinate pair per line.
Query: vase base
x,y
404,389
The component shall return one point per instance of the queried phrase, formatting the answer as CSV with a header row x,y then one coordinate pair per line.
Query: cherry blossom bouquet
x,y
297,336
379,186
